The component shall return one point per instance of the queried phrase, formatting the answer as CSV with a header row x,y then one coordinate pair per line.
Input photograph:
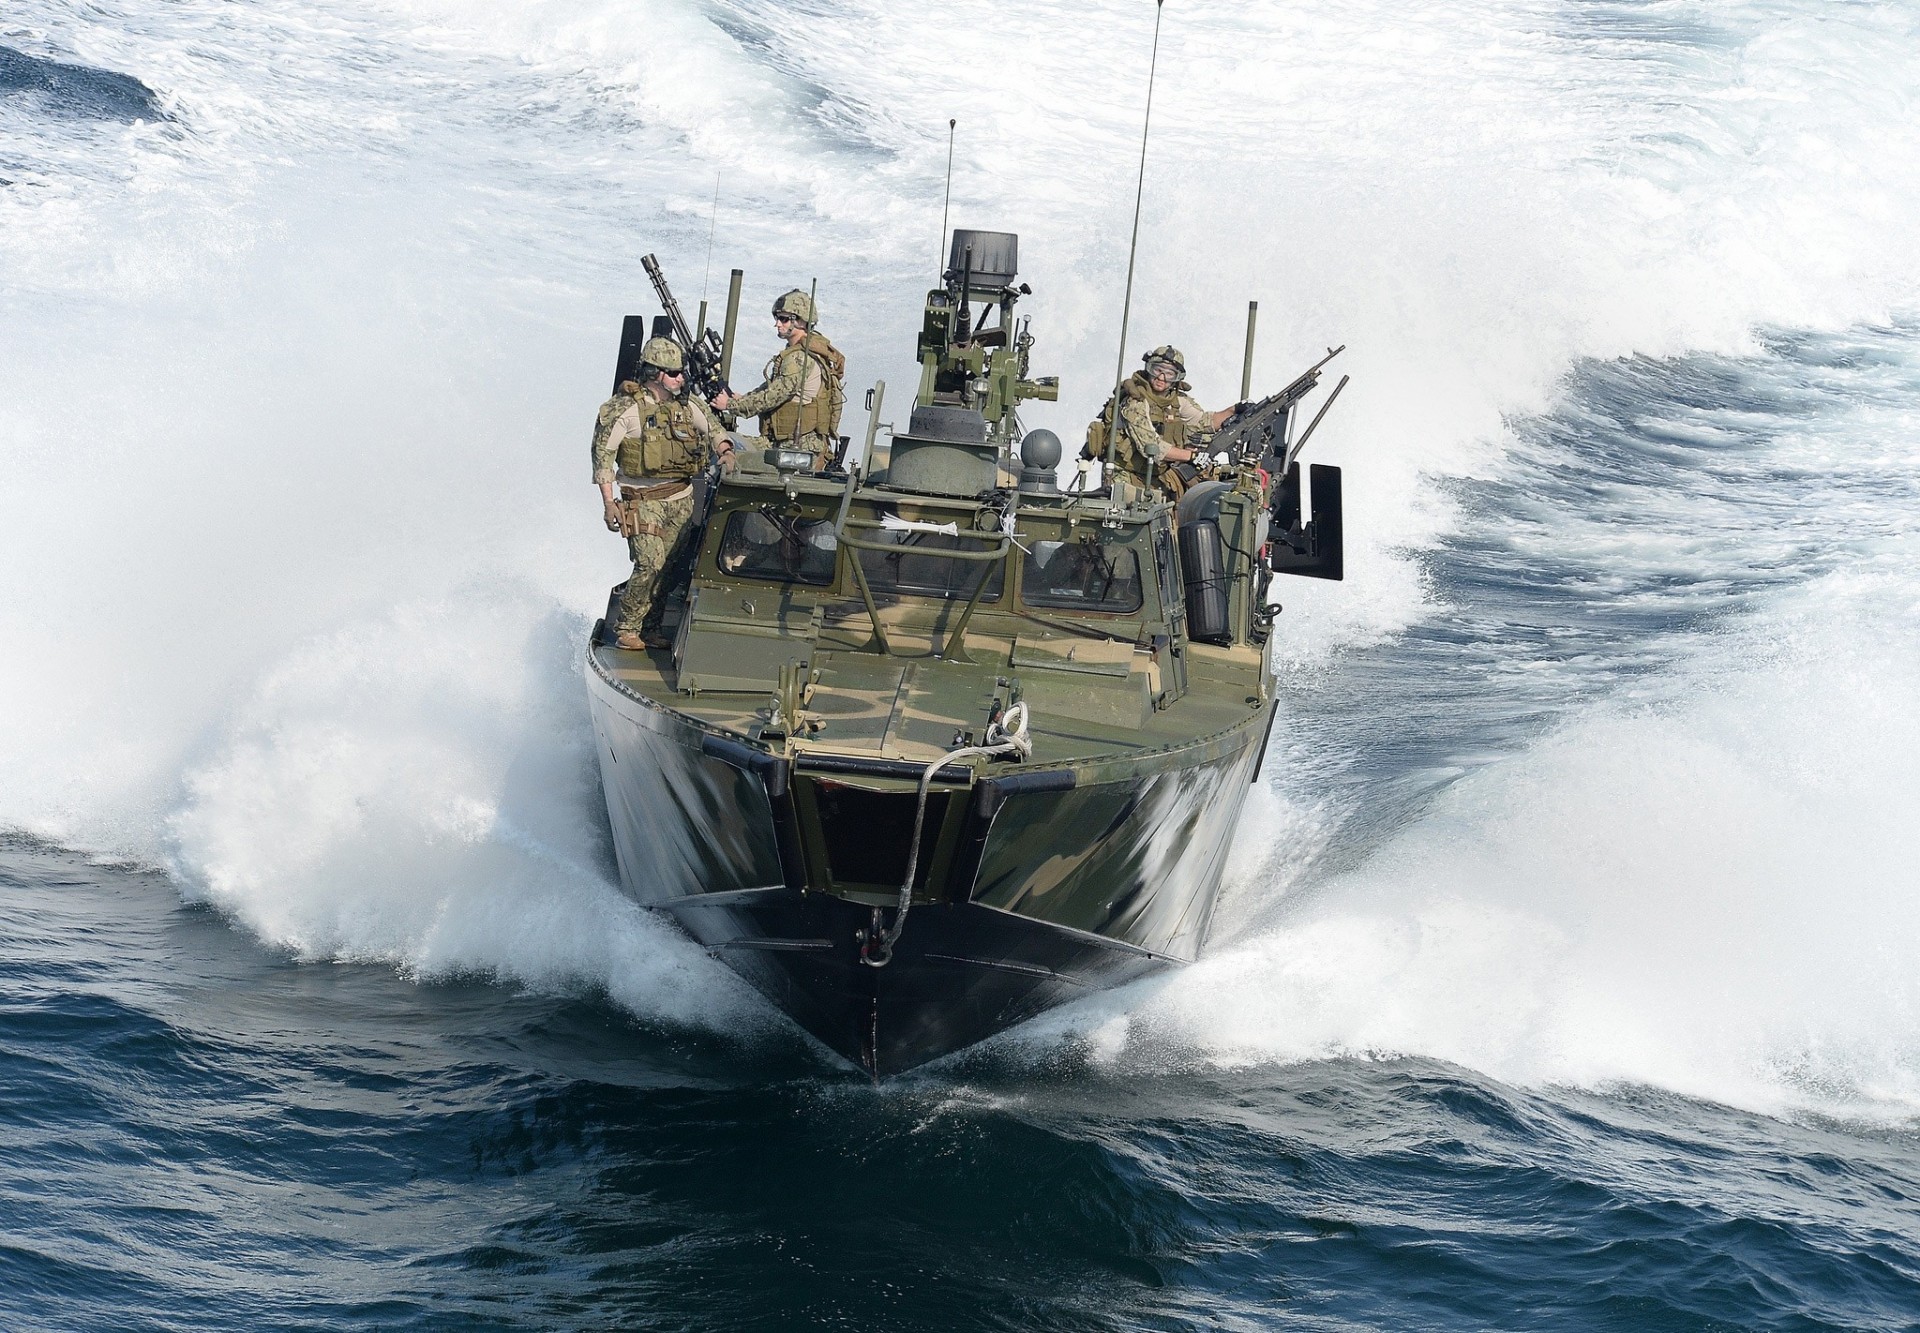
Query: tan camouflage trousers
x,y
658,533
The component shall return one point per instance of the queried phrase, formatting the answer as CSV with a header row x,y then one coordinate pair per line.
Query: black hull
x,y
959,974
1048,885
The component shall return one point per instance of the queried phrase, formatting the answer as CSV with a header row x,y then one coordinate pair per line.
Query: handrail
x,y
943,553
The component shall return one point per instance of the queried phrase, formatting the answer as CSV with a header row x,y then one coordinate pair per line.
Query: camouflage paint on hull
x,y
1040,885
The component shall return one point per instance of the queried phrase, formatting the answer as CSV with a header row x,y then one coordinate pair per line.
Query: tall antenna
x,y
1133,249
945,207
712,221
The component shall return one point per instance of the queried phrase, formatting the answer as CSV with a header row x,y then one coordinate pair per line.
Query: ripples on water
x,y
1657,503
202,1135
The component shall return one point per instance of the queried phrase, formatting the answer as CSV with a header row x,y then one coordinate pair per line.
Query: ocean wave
x,y
57,89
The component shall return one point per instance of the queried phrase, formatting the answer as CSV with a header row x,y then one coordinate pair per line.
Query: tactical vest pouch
x,y
1175,478
822,415
1095,449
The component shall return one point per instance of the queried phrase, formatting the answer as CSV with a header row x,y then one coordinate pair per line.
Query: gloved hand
x,y
613,516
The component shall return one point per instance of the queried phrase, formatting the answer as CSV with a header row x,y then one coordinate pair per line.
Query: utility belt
x,y
650,489
654,488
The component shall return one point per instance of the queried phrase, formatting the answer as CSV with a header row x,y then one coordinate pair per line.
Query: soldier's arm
x,y
789,376
711,435
1147,439
1198,418
606,448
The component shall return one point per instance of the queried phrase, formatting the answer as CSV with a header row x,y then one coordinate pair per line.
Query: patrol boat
x,y
939,746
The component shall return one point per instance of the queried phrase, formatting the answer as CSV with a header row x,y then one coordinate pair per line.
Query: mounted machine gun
x,y
973,364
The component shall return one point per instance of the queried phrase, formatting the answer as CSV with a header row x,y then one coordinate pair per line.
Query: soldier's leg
x,y
649,552
819,446
674,518
656,525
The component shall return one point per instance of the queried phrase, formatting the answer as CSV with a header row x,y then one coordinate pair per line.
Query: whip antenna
x,y
1133,248
706,278
947,205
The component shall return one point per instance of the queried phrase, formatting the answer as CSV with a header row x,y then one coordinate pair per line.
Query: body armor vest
x,y
1163,411
668,443
821,414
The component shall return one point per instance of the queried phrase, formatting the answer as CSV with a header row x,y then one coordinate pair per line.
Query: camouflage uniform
x,y
653,450
795,382
1150,423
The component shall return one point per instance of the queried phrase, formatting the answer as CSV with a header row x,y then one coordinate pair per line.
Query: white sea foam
x,y
389,794
1707,885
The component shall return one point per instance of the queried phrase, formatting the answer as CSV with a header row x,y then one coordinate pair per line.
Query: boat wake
x,y
387,795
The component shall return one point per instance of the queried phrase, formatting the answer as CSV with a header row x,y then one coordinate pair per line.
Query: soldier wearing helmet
x,y
1159,424
799,404
651,440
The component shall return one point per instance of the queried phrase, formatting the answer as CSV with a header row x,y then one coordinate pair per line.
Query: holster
x,y
631,493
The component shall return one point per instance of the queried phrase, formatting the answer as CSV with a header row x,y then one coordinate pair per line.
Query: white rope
x,y
1006,734
894,523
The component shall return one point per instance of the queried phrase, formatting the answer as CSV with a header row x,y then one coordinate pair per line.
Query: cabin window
x,y
918,566
758,544
1082,575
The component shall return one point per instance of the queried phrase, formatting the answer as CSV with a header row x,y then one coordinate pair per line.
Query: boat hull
x,y
1037,887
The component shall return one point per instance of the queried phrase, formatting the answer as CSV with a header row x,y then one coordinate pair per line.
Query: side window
x,y
1082,575
761,545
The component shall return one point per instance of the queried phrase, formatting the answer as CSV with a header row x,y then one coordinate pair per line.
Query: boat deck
x,y
1087,699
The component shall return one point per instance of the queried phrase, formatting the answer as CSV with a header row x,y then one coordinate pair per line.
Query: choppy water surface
x,y
1567,975
338,1147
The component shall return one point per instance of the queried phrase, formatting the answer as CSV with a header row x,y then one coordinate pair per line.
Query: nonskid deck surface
x,y
871,705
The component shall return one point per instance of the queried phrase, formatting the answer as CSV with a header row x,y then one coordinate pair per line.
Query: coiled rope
x,y
1006,734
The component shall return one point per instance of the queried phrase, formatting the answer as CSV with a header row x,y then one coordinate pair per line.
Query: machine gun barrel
x,y
703,352
1261,429
1309,377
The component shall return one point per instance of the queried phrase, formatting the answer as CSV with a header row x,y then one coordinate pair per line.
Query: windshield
x,y
919,568
763,545
1082,576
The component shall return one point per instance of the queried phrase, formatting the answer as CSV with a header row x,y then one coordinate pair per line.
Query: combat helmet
x,y
663,354
798,304
1170,355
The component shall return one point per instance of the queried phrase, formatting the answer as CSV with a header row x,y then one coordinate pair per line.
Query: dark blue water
x,y
70,91
201,1135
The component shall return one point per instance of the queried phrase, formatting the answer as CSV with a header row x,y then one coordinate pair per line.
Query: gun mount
x,y
707,353
980,364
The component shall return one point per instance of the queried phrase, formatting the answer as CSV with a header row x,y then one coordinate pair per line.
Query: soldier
x,y
652,439
1160,422
799,405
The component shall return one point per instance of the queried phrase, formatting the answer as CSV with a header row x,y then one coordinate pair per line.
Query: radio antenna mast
x,y
1133,249
946,206
713,221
